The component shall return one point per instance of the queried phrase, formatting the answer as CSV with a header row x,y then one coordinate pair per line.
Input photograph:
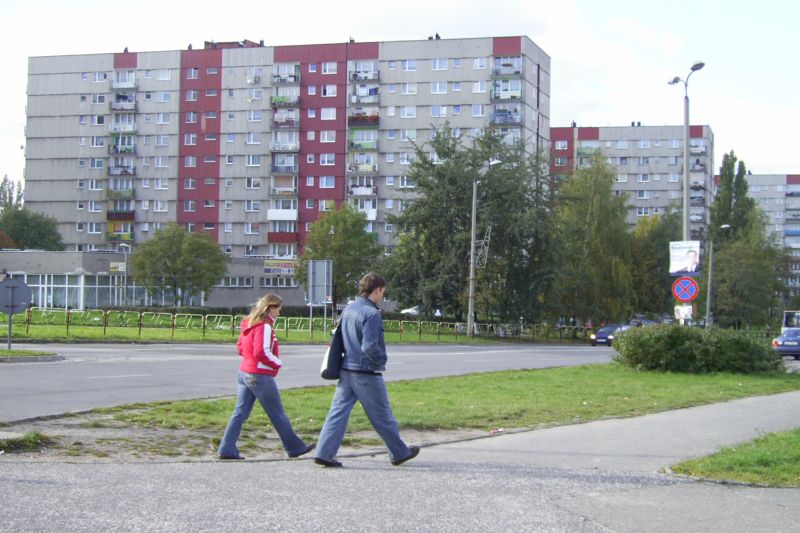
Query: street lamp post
x,y
472,241
697,66
125,249
709,319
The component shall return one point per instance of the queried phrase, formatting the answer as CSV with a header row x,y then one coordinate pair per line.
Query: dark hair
x,y
369,283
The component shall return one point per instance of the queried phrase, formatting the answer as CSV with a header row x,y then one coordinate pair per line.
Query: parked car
x,y
605,335
411,311
788,343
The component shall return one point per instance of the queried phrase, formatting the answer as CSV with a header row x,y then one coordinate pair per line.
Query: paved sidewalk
x,y
598,476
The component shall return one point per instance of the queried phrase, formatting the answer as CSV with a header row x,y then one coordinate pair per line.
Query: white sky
x,y
610,60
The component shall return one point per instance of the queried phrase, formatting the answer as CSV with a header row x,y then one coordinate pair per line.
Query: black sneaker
x,y
333,463
302,452
231,458
414,451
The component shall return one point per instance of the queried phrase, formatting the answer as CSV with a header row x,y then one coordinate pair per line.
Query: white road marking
x,y
120,376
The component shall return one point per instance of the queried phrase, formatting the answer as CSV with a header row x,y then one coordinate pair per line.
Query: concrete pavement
x,y
599,476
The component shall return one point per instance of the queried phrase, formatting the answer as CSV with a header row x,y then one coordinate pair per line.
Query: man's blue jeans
x,y
370,390
263,388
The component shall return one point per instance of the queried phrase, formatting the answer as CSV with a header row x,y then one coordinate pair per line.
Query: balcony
x,y
364,145
283,192
697,150
365,76
507,71
506,95
697,167
120,194
122,128
507,117
119,237
121,171
123,106
697,200
285,101
281,237
282,214
123,84
371,214
286,79
364,99
363,190
362,168
284,169
115,149
285,123
697,184
123,216
362,119
285,146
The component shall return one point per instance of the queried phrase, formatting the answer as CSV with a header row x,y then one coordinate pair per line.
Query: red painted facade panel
x,y
588,134
561,134
507,46
206,152
282,237
695,132
126,60
793,179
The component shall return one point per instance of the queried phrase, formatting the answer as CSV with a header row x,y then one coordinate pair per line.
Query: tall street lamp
x,y
711,276
473,236
697,66
125,249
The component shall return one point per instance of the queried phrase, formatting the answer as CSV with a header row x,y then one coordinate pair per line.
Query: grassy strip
x,y
507,399
29,442
772,460
5,352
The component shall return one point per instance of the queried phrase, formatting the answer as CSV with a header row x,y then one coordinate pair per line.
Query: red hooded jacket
x,y
258,347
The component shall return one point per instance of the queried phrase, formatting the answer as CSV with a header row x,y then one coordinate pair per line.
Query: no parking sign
x,y
685,289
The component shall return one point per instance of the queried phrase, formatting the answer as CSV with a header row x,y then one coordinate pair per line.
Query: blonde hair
x,y
262,307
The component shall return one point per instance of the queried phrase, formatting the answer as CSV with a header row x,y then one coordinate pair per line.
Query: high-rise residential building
x,y
648,161
250,143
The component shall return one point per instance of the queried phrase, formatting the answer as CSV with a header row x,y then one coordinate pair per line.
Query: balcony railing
x,y
363,120
123,106
363,190
286,79
120,194
697,150
365,76
506,118
126,237
283,191
126,216
288,123
697,200
697,167
364,99
121,171
506,72
284,169
362,168
122,128
123,84
116,149
284,146
371,214
364,145
282,237
282,214
506,95
697,185
285,101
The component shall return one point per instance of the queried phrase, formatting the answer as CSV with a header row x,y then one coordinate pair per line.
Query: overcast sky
x,y
610,60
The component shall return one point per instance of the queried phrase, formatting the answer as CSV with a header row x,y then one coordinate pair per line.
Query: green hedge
x,y
676,348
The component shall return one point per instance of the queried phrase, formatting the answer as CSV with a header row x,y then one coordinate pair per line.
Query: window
x,y
210,114
456,86
409,65
407,183
253,137
189,206
675,143
79,226
644,160
478,110
161,162
312,90
408,135
644,178
674,178
189,183
191,95
479,86
406,158
642,211
392,65
100,76
329,68
145,205
622,178
251,228
312,67
94,227
164,96
163,75
390,181
392,88
309,204
96,162
439,64
84,76
408,111
189,161
160,206
80,205
479,63
230,137
253,160
309,181
389,203
162,184
328,113
98,120
327,159
162,118
328,90
327,182
389,228
390,157
211,92
254,115
438,110
327,205
312,113
252,205
408,88
192,73
561,145
191,117
327,136
643,195
390,110
439,87
209,159
210,137
623,161
98,141
82,119
97,98
311,135
212,70
310,158
391,134
189,139
457,62
252,183
644,143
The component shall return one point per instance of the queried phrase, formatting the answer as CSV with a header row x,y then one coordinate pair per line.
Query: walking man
x,y
361,378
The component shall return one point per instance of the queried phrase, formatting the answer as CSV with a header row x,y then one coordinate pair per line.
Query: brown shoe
x,y
414,451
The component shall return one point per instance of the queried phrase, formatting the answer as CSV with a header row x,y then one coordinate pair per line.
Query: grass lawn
x,y
5,352
772,460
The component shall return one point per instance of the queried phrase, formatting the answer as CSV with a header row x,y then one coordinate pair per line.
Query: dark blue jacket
x,y
362,330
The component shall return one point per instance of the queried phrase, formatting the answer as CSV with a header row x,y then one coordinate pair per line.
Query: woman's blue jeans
x,y
370,390
263,388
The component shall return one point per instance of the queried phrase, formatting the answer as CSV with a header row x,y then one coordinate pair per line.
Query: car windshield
x,y
607,329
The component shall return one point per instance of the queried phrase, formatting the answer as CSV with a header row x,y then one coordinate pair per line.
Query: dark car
x,y
605,335
788,343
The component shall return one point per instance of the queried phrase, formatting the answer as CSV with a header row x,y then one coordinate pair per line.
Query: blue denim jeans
x,y
263,388
370,390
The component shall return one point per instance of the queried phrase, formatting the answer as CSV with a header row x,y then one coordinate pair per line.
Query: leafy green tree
x,y
179,263
341,237
30,230
10,194
595,279
650,262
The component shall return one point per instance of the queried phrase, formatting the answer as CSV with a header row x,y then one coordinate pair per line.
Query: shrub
x,y
676,348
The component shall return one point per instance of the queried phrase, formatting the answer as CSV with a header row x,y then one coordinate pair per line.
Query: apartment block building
x,y
250,143
648,161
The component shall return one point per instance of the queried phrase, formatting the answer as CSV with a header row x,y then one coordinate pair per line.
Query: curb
x,y
32,359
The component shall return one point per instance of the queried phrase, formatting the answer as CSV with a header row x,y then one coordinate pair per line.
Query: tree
x,y
430,264
10,194
30,230
341,237
595,279
179,263
650,262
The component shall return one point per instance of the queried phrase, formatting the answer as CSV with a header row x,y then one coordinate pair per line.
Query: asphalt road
x,y
104,375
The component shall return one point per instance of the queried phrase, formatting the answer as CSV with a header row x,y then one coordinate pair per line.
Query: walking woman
x,y
258,347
